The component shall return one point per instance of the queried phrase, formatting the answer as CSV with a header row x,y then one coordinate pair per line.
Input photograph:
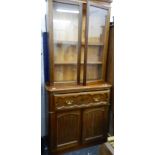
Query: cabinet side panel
x,y
110,77
52,132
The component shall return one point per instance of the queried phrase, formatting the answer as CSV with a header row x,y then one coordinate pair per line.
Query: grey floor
x,y
87,151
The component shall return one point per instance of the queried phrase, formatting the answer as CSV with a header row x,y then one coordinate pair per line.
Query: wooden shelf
x,y
66,42
94,44
75,63
97,80
76,43
94,63
65,63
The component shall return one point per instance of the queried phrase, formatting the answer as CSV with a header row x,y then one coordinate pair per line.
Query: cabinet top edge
x,y
74,88
108,2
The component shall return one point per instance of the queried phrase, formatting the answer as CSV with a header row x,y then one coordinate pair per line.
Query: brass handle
x,y
96,99
69,102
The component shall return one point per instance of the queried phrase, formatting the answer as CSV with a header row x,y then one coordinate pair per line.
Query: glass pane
x,y
97,18
65,29
96,27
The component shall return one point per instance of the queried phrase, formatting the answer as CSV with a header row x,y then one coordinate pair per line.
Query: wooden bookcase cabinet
x,y
78,95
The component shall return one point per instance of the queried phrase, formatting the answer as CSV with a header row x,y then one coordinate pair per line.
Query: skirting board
x,y
110,148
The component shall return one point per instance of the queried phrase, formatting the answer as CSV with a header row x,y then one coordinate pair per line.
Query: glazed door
x,y
68,128
66,39
96,42
94,124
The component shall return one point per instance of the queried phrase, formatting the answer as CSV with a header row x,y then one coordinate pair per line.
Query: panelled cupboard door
x,y
94,124
68,128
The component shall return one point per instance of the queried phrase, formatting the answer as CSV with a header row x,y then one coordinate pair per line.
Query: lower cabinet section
x,y
77,120
94,124
68,128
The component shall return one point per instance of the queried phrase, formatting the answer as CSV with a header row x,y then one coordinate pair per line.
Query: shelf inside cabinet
x,y
93,44
66,42
74,63
75,43
94,63
65,63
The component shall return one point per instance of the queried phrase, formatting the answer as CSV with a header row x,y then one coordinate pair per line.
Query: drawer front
x,y
80,100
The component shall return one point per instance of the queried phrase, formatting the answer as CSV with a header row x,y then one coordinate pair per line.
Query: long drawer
x,y
80,100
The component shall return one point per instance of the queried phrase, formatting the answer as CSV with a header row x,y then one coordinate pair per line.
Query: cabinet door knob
x,y
69,102
96,99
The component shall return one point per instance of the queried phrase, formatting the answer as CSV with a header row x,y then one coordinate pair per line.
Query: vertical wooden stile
x,y
79,45
86,44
